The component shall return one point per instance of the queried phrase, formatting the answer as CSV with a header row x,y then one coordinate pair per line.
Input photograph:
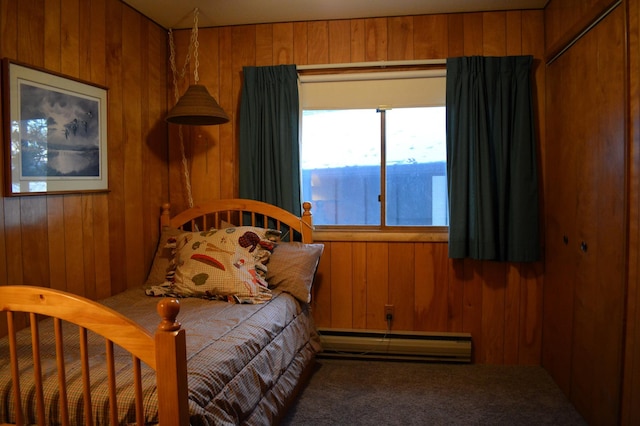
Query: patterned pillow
x,y
223,263
292,268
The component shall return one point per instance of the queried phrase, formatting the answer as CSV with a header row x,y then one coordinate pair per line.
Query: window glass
x,y
341,166
416,168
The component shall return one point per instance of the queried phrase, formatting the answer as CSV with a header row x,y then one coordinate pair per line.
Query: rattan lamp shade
x,y
197,108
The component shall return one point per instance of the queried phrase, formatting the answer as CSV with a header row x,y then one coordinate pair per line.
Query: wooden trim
x,y
437,235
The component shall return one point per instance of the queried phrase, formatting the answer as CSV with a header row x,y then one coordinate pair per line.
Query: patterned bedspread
x,y
243,362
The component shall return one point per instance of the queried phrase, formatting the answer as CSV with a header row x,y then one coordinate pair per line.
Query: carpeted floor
x,y
357,392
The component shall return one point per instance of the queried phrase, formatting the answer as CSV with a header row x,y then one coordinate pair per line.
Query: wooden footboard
x,y
165,352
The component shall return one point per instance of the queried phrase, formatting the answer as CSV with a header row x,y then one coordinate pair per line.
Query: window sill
x,y
437,234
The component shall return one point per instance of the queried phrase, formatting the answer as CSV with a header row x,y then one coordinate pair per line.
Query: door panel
x,y
585,234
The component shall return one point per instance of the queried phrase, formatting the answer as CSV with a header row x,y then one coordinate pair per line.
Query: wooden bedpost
x,y
171,366
307,231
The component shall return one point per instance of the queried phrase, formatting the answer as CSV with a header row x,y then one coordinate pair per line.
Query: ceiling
x,y
178,14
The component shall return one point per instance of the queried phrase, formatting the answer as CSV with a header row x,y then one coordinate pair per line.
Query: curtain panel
x,y
492,167
269,136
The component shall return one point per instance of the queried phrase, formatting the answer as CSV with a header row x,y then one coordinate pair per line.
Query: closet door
x,y
561,227
585,234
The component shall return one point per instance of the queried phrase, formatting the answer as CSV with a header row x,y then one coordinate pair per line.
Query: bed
x,y
153,354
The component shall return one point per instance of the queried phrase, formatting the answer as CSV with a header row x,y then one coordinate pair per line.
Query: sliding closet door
x,y
585,220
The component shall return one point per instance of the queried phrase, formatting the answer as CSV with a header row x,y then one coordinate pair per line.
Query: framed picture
x,y
55,131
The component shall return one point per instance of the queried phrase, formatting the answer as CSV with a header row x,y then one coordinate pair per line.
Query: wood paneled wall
x,y
92,244
499,304
631,371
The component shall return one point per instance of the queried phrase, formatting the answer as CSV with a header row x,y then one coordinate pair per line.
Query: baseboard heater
x,y
393,345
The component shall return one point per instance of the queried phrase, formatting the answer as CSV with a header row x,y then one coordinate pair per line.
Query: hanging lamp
x,y
196,107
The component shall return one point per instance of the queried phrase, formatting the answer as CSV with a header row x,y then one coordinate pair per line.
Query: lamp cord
x,y
172,58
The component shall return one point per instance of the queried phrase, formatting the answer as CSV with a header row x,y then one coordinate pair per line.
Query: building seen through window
x,y
356,177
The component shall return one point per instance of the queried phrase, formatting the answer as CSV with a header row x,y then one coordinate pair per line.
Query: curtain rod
x,y
375,64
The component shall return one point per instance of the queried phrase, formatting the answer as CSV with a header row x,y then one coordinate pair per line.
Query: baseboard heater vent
x,y
411,346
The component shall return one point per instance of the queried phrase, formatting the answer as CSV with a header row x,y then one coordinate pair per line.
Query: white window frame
x,y
337,90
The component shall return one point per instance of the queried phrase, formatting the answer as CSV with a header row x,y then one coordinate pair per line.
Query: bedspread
x,y
243,361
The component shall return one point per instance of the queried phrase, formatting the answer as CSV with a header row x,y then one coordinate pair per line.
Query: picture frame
x,y
55,132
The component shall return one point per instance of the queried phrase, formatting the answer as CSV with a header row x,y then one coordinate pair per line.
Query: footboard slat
x,y
111,374
15,368
137,383
86,378
62,377
37,365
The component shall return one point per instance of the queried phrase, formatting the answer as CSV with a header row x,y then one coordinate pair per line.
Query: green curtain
x,y
491,159
269,146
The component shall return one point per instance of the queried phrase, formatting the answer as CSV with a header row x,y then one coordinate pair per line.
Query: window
x,y
373,149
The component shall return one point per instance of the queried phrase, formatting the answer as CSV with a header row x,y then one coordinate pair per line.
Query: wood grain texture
x,y
339,42
400,38
630,410
283,43
376,40
77,242
430,36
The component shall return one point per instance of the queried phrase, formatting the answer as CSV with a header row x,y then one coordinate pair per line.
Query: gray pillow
x,y
292,267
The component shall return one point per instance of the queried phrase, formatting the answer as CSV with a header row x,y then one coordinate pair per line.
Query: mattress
x,y
243,362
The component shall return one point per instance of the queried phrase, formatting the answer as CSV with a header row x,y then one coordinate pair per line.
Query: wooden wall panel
x,y
132,143
300,43
471,277
88,249
91,244
283,43
339,42
494,287
342,265
318,42
431,287
378,282
401,285
376,41
494,28
400,38
359,285
630,411
472,33
357,40
264,45
455,33
430,34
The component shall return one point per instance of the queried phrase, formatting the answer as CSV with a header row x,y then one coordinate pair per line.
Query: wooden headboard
x,y
242,212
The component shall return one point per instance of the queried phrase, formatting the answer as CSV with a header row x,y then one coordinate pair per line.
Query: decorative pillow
x,y
292,267
164,254
223,263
